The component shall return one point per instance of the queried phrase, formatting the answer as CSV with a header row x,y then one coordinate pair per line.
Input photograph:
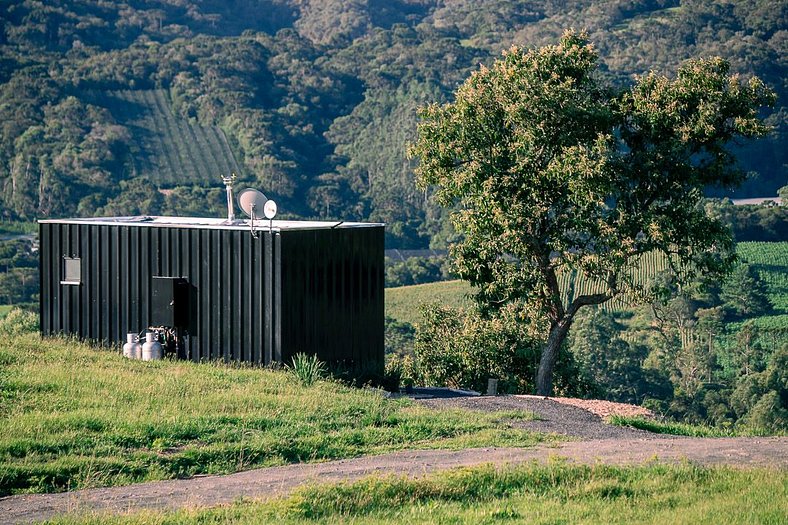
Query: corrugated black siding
x,y
254,300
332,296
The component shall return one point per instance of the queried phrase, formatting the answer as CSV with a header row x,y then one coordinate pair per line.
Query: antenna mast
x,y
228,182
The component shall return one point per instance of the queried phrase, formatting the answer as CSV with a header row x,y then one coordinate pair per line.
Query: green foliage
x,y
167,148
416,270
399,337
461,349
541,494
769,259
763,223
697,367
550,172
18,322
308,369
761,398
19,279
315,100
744,292
75,416
613,365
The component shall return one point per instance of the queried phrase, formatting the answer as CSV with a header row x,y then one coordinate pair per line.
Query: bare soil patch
x,y
601,408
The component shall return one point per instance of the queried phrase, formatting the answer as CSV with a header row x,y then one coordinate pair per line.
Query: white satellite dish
x,y
252,202
269,209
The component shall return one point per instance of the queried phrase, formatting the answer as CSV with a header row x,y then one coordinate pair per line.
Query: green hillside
x,y
402,303
317,98
77,416
770,260
166,148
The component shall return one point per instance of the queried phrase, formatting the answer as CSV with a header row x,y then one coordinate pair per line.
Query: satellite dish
x,y
252,202
269,209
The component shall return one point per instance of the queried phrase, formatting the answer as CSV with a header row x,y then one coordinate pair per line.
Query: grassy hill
x,y
166,148
74,416
402,303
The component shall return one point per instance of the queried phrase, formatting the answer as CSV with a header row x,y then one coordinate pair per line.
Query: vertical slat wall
x,y
332,296
235,296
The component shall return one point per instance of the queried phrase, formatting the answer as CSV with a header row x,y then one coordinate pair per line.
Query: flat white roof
x,y
212,223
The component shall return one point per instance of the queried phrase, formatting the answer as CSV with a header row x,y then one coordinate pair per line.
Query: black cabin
x,y
222,293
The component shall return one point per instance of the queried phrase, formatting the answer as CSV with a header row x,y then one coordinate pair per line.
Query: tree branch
x,y
587,300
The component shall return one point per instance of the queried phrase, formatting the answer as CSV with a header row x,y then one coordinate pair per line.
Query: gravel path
x,y
597,443
553,416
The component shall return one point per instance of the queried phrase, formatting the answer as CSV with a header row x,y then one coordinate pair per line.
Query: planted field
x,y
770,259
166,148
74,416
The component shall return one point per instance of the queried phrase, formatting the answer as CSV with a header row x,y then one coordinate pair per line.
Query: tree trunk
x,y
544,378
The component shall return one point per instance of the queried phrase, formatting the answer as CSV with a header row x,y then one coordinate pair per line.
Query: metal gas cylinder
x,y
152,349
132,348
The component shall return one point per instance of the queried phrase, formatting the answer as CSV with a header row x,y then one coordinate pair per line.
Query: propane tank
x,y
132,348
152,349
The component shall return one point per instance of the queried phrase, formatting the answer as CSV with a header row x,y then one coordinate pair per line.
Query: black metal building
x,y
313,287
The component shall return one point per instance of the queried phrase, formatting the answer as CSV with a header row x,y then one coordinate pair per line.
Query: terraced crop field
x,y
166,148
770,259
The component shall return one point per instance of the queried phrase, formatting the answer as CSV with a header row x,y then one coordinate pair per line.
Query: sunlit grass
x,y
538,494
402,303
73,416
682,429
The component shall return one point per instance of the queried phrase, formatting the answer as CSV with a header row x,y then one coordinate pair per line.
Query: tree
x,y
612,364
744,292
551,171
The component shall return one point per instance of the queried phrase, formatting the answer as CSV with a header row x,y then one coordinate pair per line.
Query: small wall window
x,y
72,270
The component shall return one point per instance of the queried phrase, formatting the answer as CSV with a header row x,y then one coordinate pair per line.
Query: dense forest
x,y
314,100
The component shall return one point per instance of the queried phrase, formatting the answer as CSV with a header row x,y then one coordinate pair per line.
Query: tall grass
x,y
538,494
308,369
73,415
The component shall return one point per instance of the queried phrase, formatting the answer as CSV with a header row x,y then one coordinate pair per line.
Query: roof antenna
x,y
228,182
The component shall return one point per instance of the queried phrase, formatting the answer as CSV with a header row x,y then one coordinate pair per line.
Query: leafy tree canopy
x,y
551,170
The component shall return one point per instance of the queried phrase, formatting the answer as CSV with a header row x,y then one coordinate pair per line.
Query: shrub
x,y
18,322
461,349
308,369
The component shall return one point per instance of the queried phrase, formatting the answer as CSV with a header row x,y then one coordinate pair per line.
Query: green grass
x,y
402,303
167,148
534,494
674,429
74,416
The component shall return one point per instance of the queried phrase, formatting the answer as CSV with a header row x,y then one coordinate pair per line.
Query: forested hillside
x,y
316,98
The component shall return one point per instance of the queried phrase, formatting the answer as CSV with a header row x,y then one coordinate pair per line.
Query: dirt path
x,y
268,483
597,442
